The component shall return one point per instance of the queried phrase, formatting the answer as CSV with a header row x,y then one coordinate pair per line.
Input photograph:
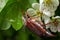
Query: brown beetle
x,y
36,27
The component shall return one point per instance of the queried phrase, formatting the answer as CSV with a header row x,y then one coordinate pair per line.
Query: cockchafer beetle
x,y
37,27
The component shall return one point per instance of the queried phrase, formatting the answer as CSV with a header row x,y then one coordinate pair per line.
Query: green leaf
x,y
5,25
9,15
17,17
12,14
5,20
18,22
2,4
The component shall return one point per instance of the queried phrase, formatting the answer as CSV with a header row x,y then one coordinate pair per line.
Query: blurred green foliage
x,y
11,13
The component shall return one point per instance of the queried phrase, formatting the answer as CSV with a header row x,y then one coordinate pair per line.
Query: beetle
x,y
36,27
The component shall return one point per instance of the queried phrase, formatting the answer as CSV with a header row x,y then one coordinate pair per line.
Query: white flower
x,y
48,6
54,27
34,11
35,6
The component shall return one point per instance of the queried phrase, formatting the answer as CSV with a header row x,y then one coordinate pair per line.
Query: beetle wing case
x,y
37,28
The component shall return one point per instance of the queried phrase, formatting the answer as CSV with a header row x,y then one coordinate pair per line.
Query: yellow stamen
x,y
39,14
47,1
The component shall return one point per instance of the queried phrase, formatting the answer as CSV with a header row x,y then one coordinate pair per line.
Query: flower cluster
x,y
45,10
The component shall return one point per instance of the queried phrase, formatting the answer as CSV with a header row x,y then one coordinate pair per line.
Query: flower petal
x,y
41,1
58,17
31,11
58,27
46,19
35,6
41,7
53,28
55,2
48,13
